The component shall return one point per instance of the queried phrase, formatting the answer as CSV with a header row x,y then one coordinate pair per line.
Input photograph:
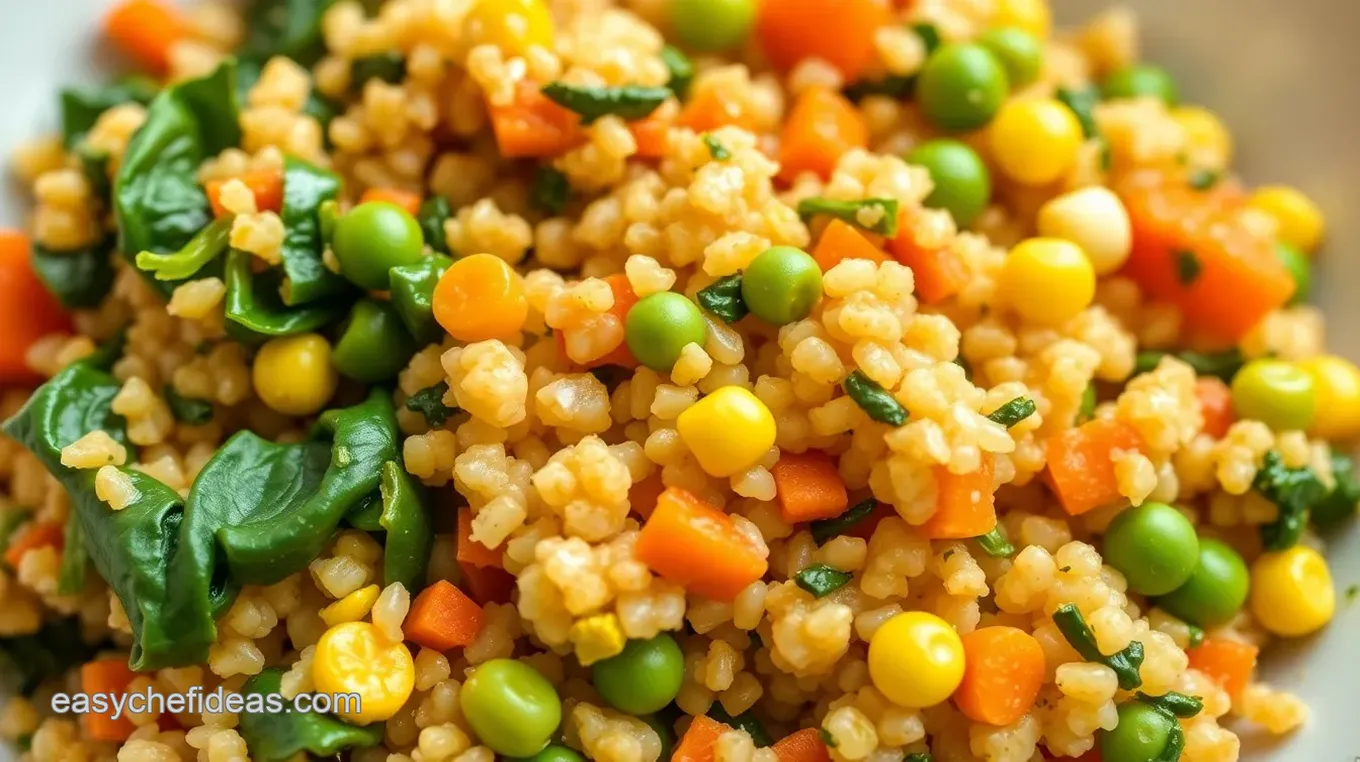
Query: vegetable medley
x,y
692,380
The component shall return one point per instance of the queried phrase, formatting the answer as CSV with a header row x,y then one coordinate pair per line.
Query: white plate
x,y
1282,75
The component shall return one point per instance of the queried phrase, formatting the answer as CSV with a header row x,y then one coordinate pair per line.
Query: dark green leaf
x,y
723,298
367,513
881,213
1082,102
1174,704
822,580
1196,636
874,399
1221,365
1339,504
1204,179
307,279
388,67
208,244
1013,412
410,534
289,28
75,560
1124,663
681,70
744,721
253,303
1188,268
824,529
429,402
929,34
94,166
81,107
1294,491
412,293
79,279
995,544
629,102
46,654
1175,744
716,149
550,191
278,736
194,412
434,212
827,738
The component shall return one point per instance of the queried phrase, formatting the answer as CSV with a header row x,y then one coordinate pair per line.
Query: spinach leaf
x,y
716,149
1341,502
412,293
305,188
681,70
995,544
874,399
723,298
206,245
81,107
824,529
253,304
1125,663
388,67
410,533
194,412
550,191
46,654
1013,412
158,205
277,736
429,402
822,580
629,102
75,559
79,279
877,215
1294,491
289,28
434,212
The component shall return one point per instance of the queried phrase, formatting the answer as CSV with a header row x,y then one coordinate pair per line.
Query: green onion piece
x,y
429,402
1173,703
1013,412
1125,663
822,580
206,245
827,738
874,399
824,529
1294,491
194,412
1196,636
629,102
995,544
1188,267
877,215
681,70
716,149
723,298
550,191
1088,404
1203,179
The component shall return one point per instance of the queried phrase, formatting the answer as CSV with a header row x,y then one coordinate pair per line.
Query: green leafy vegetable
x,y
206,245
919,757
716,149
94,165
307,279
289,28
995,544
81,107
1124,663
1204,179
744,721
46,654
929,34
1294,491
1013,412
277,736
412,294
429,402
1175,704
1082,102
75,559
550,191
822,580
874,399
194,412
825,529
877,215
1188,267
389,67
723,298
681,70
629,102
79,279
1221,365
434,212
254,306
1339,504
410,533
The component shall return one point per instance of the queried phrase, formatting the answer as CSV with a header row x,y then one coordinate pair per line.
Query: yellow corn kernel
x,y
1291,592
1298,220
355,657
728,431
1035,141
1336,382
1048,280
294,375
1033,16
351,608
511,25
1208,142
916,659
597,637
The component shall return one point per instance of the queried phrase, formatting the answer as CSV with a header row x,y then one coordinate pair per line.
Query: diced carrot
x,y
840,32
700,740
1227,662
442,617
533,126
624,299
1080,468
805,745
709,109
481,297
653,136
147,30
1004,669
107,676
266,186
642,496
966,504
41,535
1191,248
28,311
472,552
841,241
822,126
1215,403
809,487
404,199
698,547
487,584
940,272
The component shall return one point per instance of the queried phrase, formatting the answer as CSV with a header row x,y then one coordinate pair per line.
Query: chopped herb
x,y
551,190
1064,569
827,738
630,102
948,554
995,544
388,67
1293,491
716,149
744,721
1082,102
1352,593
962,362
1340,503
681,70
929,34
611,376
874,399
893,86
429,402
434,212
822,580
1188,267
1175,744
1196,636
1221,365
1013,412
754,638
1203,179
1125,663
883,222
919,757
723,298
1088,404
824,529
194,412
1175,704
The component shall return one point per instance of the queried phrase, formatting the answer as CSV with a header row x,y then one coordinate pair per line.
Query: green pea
x,y
1019,51
1154,546
553,753
643,678
1141,79
660,325
781,285
374,344
1277,393
374,237
512,708
1141,735
710,26
1216,590
962,86
963,185
1300,269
